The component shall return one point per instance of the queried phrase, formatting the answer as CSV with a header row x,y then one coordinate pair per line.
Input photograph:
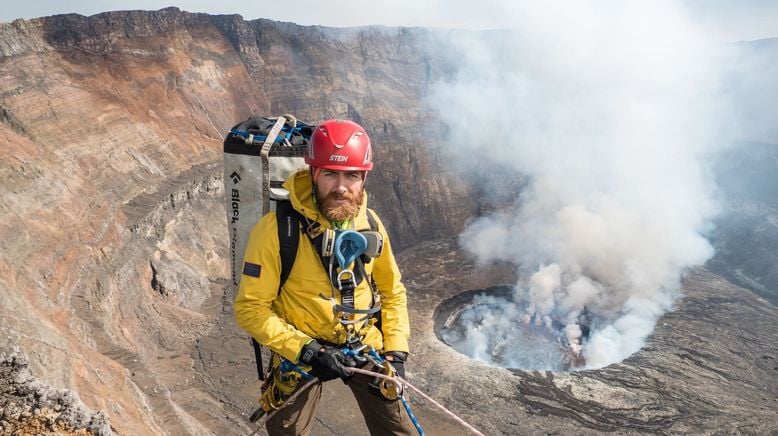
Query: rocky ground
x,y
30,407
711,366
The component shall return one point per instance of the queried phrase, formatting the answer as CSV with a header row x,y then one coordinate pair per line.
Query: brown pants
x,y
381,416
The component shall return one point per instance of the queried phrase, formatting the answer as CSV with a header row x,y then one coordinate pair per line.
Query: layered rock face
x,y
113,239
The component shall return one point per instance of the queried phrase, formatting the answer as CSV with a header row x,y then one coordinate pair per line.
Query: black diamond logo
x,y
235,177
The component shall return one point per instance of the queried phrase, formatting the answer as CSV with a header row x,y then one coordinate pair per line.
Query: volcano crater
x,y
489,326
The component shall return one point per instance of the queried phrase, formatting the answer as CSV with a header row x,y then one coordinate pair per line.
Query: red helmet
x,y
340,145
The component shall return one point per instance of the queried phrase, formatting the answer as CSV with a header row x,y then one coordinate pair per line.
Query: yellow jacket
x,y
286,321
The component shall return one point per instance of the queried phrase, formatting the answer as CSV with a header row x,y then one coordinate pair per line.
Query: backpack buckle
x,y
313,229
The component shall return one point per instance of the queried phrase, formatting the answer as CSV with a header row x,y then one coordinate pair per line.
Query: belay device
x,y
259,154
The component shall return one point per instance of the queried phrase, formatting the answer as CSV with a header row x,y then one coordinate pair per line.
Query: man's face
x,y
339,193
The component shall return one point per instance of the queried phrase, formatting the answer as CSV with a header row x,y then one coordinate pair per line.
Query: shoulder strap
x,y
372,220
258,358
288,221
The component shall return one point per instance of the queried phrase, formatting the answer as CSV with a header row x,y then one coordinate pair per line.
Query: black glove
x,y
397,359
327,363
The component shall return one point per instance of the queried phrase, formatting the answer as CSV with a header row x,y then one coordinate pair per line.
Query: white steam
x,y
609,108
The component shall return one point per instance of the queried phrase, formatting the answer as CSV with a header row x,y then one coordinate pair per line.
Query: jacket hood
x,y
300,187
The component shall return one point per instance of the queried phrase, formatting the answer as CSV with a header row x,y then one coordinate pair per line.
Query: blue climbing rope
x,y
411,415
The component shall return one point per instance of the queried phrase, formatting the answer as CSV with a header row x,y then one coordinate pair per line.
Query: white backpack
x,y
259,154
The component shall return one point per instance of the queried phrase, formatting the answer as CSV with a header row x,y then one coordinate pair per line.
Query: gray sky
x,y
724,20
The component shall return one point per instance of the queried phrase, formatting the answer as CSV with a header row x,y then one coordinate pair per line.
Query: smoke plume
x,y
610,110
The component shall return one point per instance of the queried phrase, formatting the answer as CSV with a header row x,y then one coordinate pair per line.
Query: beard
x,y
335,211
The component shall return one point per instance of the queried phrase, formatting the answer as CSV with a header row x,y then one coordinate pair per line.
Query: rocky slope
x,y
747,231
113,241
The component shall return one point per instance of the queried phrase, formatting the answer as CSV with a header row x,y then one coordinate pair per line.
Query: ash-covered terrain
x,y
113,241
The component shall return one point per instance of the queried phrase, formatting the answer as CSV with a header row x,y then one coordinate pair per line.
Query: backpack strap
x,y
288,221
264,154
258,358
371,220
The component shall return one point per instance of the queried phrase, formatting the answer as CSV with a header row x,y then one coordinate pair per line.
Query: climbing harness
x,y
343,254
348,246
280,390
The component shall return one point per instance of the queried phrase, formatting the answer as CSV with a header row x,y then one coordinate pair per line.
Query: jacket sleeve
x,y
394,304
259,289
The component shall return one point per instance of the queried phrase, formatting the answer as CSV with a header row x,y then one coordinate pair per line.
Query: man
x,y
308,321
